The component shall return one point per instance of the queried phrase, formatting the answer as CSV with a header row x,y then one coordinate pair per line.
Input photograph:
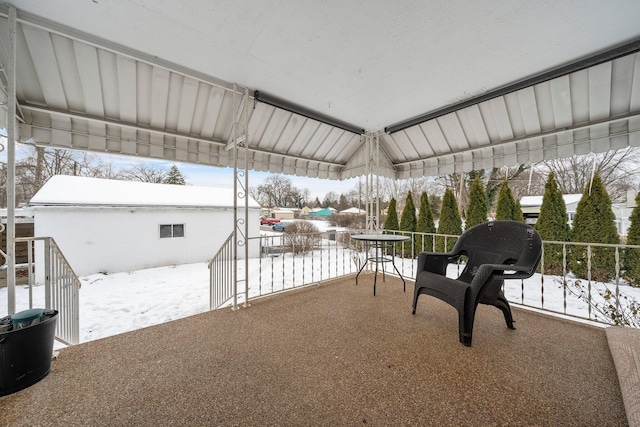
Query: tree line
x,y
38,164
618,171
594,222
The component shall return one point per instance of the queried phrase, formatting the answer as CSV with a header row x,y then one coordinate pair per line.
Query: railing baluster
x,y
618,279
589,276
564,276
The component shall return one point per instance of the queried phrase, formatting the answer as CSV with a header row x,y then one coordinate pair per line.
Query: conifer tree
x,y
407,223
477,210
553,225
425,225
507,207
518,215
391,223
594,223
449,223
174,176
632,255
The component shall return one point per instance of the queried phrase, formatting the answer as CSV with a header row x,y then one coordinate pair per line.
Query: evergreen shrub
x,y
449,223
407,223
553,225
477,211
425,225
594,223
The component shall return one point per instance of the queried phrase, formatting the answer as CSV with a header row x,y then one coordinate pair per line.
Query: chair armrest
x,y
514,272
435,262
489,278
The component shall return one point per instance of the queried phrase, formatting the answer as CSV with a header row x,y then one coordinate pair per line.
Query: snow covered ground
x,y
115,303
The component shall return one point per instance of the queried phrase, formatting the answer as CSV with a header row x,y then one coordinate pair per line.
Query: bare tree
x,y
38,164
517,176
278,190
398,189
106,170
616,168
145,172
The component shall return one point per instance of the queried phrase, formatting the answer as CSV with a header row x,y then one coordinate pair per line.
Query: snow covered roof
x,y
63,190
353,211
537,200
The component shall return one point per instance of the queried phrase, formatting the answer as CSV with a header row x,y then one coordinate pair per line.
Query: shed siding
x,y
115,239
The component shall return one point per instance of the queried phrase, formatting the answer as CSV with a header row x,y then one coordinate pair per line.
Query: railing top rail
x,y
52,240
29,239
606,245
352,231
221,249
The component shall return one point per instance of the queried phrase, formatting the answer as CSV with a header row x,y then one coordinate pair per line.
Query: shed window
x,y
171,230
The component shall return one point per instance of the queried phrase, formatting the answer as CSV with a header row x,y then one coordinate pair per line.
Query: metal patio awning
x,y
81,84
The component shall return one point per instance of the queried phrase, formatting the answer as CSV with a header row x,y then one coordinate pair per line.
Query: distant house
x,y
622,211
282,214
531,206
111,226
353,211
321,212
305,210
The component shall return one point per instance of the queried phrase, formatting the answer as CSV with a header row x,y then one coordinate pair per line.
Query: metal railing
x,y
61,286
221,275
288,262
292,261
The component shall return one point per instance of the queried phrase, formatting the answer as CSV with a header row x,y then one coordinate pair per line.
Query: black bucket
x,y
25,352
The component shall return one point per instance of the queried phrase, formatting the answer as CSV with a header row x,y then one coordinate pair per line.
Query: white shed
x,y
110,226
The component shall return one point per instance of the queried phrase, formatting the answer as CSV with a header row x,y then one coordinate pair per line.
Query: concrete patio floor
x,y
332,354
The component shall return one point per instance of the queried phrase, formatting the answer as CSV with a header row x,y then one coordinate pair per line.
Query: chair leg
x,y
466,319
465,339
503,304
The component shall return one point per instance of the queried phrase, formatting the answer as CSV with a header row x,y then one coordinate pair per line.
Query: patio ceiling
x,y
445,86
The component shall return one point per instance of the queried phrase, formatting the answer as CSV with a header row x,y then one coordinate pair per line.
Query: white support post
x,y
240,189
372,188
368,186
11,164
234,136
377,158
245,149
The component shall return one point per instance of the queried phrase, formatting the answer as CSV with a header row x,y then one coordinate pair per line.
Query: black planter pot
x,y
25,353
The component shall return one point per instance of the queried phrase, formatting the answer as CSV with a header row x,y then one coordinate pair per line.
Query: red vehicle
x,y
268,221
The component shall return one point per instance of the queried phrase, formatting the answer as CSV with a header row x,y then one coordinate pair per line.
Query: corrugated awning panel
x,y
592,110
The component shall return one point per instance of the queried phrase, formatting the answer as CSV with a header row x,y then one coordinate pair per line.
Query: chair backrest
x,y
499,242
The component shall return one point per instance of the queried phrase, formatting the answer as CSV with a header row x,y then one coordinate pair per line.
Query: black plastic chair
x,y
496,251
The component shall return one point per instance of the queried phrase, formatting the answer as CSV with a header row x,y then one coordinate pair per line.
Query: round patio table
x,y
378,242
